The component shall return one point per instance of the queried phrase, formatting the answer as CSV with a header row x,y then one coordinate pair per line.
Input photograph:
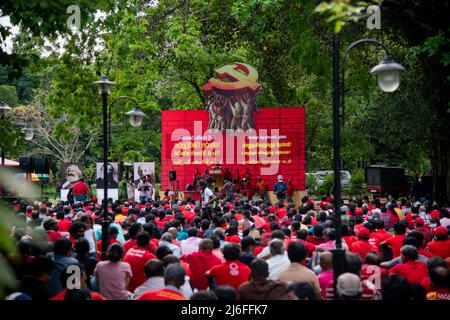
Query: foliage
x,y
327,185
340,12
7,220
357,182
311,183
8,95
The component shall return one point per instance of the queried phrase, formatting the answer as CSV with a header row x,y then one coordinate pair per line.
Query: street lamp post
x,y
388,80
136,116
3,108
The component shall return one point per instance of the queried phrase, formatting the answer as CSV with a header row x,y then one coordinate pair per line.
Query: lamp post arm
x,y
109,112
342,72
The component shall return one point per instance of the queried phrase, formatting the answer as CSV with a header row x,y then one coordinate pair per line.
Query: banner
x,y
143,169
113,175
112,183
70,174
235,135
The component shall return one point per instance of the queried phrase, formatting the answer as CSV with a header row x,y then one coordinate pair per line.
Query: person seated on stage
x,y
290,191
166,195
227,176
217,173
197,177
247,176
261,189
206,174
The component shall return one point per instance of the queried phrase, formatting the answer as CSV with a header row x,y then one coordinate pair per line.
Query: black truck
x,y
383,180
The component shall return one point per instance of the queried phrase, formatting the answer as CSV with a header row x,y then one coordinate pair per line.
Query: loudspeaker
x,y
26,164
172,175
41,165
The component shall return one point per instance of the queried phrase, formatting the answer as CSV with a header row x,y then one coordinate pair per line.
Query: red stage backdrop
x,y
277,146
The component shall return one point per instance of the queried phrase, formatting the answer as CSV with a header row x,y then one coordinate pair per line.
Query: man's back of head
x,y
276,247
154,268
259,269
174,275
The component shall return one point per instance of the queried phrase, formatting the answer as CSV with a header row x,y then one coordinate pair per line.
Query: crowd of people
x,y
238,249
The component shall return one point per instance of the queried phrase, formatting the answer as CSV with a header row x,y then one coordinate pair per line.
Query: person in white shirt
x,y
207,196
191,243
265,253
279,260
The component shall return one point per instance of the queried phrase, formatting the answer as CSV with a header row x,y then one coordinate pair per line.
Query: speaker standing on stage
x,y
280,188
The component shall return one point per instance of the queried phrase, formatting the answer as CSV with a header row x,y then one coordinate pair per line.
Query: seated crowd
x,y
241,249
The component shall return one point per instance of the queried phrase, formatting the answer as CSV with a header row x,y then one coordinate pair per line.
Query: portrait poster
x,y
70,174
143,169
113,175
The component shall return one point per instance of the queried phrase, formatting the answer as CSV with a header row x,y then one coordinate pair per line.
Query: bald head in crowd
x,y
326,261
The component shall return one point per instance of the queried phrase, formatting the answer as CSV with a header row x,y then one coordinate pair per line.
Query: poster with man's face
x,y
113,175
144,169
70,173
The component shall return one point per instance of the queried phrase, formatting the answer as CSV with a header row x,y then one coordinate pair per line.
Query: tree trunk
x,y
440,163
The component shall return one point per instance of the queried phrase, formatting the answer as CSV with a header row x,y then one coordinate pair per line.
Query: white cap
x,y
349,284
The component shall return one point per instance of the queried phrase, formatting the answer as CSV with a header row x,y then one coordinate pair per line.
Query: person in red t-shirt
x,y
113,232
439,281
411,269
133,231
301,238
317,236
63,224
346,236
362,246
51,228
383,234
232,235
396,241
137,257
80,190
440,246
174,278
200,262
232,272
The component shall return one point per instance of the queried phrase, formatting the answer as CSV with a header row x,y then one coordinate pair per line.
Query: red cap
x,y
435,214
359,211
419,221
364,233
440,231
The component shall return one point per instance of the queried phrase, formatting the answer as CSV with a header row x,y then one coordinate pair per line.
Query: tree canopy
x,y
162,52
